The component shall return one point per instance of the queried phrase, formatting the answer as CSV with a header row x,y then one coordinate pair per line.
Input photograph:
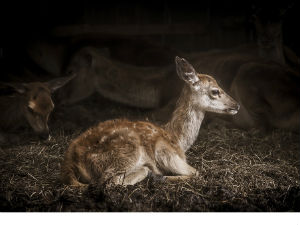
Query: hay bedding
x,y
240,171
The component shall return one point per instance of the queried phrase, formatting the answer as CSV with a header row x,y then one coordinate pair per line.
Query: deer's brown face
x,y
38,108
268,33
37,104
207,95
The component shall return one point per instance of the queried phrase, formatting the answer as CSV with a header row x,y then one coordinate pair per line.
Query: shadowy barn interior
x,y
97,61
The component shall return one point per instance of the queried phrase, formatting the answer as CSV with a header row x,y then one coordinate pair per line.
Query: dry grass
x,y
240,171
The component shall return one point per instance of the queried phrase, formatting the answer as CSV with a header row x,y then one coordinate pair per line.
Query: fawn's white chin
x,y
231,111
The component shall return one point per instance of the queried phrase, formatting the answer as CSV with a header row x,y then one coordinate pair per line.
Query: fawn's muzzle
x,y
233,110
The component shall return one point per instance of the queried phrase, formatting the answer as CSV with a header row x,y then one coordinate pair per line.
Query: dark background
x,y
244,170
184,25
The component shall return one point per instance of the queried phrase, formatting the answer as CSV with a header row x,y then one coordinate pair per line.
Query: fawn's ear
x,y
21,88
186,71
57,83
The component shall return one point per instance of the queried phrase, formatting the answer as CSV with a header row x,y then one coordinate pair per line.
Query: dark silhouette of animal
x,y
28,104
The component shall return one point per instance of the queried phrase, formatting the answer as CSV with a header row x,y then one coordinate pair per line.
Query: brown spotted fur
x,y
124,152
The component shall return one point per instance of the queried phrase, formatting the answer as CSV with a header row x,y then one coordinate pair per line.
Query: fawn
x,y
29,103
124,152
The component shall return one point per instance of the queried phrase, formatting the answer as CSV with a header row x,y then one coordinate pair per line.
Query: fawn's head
x,y
37,103
206,93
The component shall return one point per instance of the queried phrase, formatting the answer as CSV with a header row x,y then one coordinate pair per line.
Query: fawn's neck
x,y
186,120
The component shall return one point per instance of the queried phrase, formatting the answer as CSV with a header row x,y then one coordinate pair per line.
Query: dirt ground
x,y
240,170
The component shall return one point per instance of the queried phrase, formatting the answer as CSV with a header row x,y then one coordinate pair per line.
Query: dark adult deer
x,y
148,87
268,24
53,55
124,152
128,84
29,103
269,95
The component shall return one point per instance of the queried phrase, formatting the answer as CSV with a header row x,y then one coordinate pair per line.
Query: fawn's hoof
x,y
156,177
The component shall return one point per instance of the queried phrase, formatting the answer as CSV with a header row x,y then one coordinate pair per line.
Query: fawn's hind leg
x,y
136,175
130,178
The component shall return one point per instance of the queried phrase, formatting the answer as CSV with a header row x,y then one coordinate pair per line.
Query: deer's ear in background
x,y
57,83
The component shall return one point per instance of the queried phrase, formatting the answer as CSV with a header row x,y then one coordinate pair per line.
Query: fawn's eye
x,y
215,92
